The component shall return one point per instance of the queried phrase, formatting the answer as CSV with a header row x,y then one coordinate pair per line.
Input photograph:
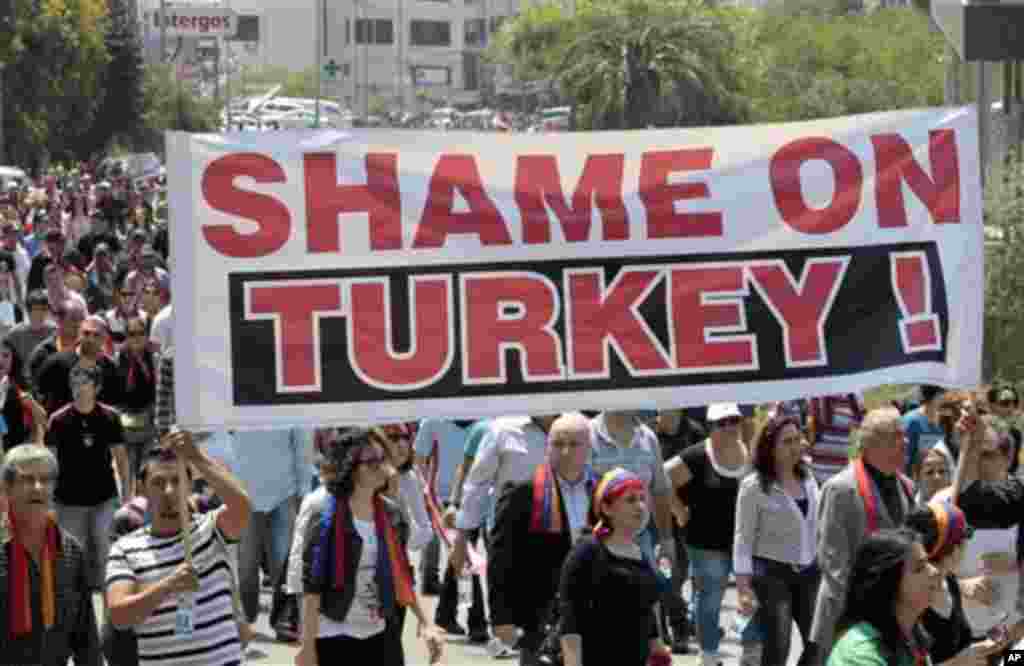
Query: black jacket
x,y
523,568
335,604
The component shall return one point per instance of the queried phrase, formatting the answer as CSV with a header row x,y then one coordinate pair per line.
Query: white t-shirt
x,y
366,616
162,329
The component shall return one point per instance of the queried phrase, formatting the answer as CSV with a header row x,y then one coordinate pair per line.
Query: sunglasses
x,y
374,461
135,334
1007,403
728,422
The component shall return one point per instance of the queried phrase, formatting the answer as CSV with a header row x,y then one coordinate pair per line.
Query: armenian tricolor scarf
x,y
613,485
394,574
20,621
868,491
546,516
952,528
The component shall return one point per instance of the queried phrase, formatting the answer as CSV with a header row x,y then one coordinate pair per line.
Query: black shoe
x,y
479,636
451,627
431,588
680,645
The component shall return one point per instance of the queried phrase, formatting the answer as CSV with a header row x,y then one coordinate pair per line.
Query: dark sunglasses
x,y
728,422
374,461
135,334
1007,403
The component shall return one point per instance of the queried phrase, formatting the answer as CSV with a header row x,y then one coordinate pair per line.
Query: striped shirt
x,y
145,559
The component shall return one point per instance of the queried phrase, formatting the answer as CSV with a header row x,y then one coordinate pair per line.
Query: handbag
x,y
549,652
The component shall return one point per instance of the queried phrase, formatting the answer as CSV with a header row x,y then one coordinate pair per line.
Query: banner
x,y
363,276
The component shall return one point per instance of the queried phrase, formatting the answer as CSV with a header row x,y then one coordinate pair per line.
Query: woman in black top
x,y
706,478
608,588
136,372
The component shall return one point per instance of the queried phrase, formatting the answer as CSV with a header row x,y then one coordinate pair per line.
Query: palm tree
x,y
636,63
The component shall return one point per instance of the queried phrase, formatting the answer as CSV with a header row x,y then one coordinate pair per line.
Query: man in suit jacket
x,y
870,494
536,523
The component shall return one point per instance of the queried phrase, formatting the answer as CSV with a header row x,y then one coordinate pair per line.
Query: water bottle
x,y
665,568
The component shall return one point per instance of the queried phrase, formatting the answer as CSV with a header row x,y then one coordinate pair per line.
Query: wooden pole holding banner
x,y
183,510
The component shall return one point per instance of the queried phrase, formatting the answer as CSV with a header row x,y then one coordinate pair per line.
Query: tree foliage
x,y
293,84
120,113
169,106
634,63
1004,269
821,65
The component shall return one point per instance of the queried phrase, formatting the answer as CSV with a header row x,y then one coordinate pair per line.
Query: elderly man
x,y
45,604
537,521
870,494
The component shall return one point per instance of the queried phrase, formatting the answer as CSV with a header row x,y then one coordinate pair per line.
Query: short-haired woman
x,y
356,573
608,588
774,547
891,586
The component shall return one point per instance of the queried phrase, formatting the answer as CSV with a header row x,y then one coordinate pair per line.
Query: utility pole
x,y
163,31
984,119
227,76
321,25
366,61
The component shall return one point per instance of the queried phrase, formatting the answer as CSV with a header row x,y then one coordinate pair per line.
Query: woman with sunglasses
x,y
356,573
1003,402
706,479
136,372
406,486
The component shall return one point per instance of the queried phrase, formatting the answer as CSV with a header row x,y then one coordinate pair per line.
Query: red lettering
x,y
295,309
801,308
698,325
597,317
660,197
379,198
459,172
848,179
509,311
370,335
269,214
538,182
895,164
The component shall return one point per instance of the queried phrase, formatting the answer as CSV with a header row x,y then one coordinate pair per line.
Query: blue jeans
x,y
267,541
710,575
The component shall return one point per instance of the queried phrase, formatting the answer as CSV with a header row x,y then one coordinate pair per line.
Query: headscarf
x,y
19,594
613,485
952,528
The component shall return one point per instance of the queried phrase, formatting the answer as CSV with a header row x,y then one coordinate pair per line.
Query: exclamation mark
x,y
911,284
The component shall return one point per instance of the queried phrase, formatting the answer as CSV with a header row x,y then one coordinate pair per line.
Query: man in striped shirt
x,y
183,612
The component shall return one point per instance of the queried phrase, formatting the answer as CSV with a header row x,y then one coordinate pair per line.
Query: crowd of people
x,y
883,536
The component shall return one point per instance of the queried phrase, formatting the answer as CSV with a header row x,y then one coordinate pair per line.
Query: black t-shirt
x,y
82,443
55,390
950,634
712,501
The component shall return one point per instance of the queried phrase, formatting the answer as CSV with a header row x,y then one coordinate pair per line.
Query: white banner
x,y
374,275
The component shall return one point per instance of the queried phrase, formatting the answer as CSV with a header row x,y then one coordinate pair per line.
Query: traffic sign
x,y
330,72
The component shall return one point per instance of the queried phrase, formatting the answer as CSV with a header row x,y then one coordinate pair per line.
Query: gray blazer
x,y
842,527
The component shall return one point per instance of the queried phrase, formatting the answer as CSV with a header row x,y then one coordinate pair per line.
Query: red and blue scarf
x,y
546,515
20,619
394,574
868,491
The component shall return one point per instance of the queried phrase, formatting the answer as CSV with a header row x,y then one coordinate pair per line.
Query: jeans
x,y
447,606
784,595
267,538
91,526
711,569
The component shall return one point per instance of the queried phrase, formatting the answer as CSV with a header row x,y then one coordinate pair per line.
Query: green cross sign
x,y
331,70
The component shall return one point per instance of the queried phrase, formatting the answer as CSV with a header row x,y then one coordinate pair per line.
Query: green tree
x,y
169,106
1004,269
120,114
821,65
45,114
634,63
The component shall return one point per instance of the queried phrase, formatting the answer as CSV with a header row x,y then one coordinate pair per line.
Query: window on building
x,y
430,33
475,33
375,31
471,71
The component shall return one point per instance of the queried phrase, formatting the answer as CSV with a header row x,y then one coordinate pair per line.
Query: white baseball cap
x,y
723,410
